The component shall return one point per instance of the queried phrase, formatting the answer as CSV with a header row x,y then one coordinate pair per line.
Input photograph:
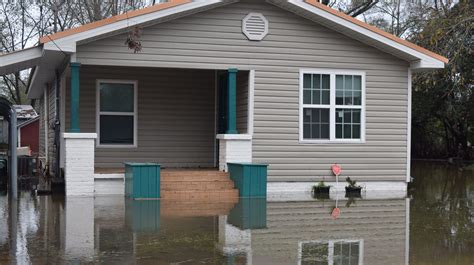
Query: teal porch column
x,y
75,67
232,101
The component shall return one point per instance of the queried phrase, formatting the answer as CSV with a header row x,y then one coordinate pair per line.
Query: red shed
x,y
28,134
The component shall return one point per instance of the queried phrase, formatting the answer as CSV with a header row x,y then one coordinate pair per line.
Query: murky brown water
x,y
442,215
435,226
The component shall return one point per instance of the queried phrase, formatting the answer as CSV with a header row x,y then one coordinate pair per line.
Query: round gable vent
x,y
255,26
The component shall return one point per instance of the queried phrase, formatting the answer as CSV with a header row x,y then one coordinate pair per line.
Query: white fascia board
x,y
20,60
68,44
424,62
426,65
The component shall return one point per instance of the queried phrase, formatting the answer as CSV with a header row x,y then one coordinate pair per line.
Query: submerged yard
x,y
433,225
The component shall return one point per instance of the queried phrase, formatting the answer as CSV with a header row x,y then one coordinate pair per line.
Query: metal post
x,y
75,97
13,157
232,101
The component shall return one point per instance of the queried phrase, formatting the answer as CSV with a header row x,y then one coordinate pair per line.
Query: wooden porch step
x,y
230,195
193,174
194,179
197,185
197,172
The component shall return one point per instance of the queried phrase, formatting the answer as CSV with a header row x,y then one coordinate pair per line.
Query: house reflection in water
x,y
367,232
115,230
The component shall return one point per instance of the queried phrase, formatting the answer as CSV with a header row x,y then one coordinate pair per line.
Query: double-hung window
x,y
116,113
332,106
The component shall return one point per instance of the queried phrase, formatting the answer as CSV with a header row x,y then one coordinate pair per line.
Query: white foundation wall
x,y
301,191
79,164
234,149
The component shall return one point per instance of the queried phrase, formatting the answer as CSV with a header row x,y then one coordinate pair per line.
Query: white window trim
x,y
332,107
135,113
330,244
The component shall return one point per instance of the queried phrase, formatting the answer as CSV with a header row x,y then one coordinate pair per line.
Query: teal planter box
x,y
249,213
250,179
143,215
142,180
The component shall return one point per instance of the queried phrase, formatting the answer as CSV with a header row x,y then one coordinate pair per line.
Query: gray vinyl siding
x,y
242,101
42,115
51,134
214,40
381,224
175,116
47,118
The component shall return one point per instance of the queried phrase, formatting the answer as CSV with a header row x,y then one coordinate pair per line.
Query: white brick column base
x,y
79,164
234,148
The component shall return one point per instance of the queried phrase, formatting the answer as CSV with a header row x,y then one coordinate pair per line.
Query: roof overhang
x,y
20,60
44,63
418,57
45,72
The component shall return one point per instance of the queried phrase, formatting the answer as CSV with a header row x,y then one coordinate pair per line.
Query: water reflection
x,y
143,216
249,213
442,214
368,232
435,227
116,230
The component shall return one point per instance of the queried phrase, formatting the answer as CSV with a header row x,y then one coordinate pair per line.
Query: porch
x,y
182,119
207,185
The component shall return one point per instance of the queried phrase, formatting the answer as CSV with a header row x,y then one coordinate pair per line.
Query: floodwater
x,y
434,224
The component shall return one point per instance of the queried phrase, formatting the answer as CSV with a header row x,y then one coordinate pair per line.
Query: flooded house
x,y
292,84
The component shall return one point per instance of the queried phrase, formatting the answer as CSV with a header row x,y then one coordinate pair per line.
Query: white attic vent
x,y
255,26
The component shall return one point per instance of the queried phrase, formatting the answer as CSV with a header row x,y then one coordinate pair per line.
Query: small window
x,y
116,119
332,106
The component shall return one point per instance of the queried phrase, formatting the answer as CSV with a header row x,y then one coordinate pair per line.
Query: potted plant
x,y
321,190
352,189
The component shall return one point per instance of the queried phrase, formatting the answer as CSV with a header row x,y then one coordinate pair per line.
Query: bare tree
x,y
23,22
352,8
18,31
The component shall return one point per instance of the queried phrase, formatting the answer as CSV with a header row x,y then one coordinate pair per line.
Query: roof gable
x,y
376,30
114,19
418,57
67,40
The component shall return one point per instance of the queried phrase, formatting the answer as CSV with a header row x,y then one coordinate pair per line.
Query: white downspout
x,y
409,116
